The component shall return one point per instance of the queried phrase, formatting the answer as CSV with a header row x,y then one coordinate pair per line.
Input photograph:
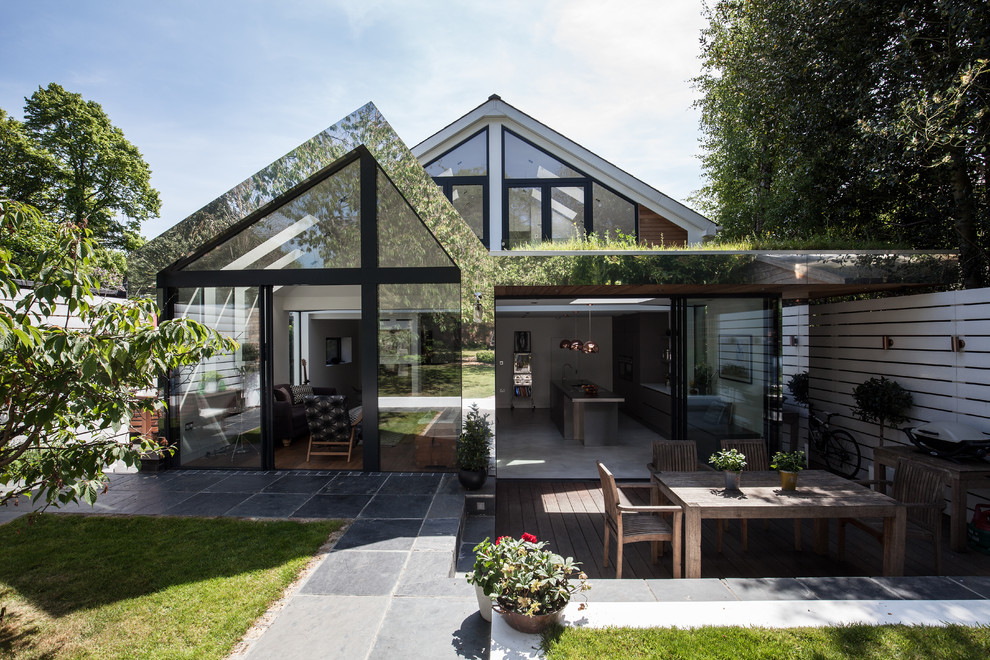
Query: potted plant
x,y
788,464
881,401
731,462
798,386
473,449
530,585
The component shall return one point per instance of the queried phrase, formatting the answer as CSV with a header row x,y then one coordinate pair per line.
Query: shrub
x,y
486,357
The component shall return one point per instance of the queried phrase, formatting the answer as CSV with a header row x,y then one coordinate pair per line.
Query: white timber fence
x,y
61,317
843,344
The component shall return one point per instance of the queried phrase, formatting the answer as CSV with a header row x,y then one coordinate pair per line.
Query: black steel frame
x,y
369,276
546,185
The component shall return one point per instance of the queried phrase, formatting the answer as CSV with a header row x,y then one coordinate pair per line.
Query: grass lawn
x,y
860,642
477,380
141,587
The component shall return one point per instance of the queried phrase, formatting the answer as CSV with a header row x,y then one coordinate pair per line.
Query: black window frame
x,y
546,185
447,183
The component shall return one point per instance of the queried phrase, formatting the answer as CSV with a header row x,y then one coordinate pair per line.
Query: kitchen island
x,y
591,419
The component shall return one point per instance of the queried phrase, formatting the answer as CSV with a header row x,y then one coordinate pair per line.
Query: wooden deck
x,y
568,514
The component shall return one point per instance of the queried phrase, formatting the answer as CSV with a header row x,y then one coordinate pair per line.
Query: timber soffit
x,y
365,127
555,143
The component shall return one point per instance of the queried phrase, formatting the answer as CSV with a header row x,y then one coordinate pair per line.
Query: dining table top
x,y
818,494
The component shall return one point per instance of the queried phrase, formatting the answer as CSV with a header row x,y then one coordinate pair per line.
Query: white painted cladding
x,y
841,345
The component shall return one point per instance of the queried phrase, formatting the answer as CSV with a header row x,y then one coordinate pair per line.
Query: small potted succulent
x,y
473,449
788,464
731,462
529,584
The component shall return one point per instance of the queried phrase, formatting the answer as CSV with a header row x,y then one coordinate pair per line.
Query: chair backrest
x,y
914,483
675,455
609,492
327,417
755,451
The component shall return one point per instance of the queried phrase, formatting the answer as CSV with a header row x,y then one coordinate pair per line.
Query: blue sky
x,y
211,91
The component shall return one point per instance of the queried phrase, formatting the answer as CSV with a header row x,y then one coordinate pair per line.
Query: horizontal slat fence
x,y
845,347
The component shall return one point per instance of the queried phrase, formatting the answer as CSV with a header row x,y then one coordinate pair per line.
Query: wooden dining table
x,y
820,496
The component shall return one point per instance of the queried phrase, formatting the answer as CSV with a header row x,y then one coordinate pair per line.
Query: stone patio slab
x,y
455,630
323,505
319,627
356,573
364,534
397,506
269,505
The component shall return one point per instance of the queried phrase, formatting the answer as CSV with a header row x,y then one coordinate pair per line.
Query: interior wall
x,y
342,376
548,359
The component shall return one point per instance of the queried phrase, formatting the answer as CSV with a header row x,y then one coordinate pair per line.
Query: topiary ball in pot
x,y
473,450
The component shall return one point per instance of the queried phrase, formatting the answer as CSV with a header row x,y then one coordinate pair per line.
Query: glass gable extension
x,y
301,288
462,174
318,229
546,199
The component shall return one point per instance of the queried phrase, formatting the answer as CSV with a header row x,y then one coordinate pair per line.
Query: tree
x,y
848,118
883,402
58,378
70,161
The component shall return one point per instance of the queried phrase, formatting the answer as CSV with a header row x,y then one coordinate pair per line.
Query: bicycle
x,y
838,448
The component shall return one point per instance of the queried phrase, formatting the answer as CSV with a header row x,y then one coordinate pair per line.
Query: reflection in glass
x,y
524,161
613,214
403,240
469,158
218,401
470,203
567,210
729,367
525,216
419,375
318,229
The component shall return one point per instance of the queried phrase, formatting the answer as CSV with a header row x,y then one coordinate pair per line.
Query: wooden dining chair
x,y
632,524
923,491
674,456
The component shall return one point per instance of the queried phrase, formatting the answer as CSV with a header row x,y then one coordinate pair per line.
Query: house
x,y
358,264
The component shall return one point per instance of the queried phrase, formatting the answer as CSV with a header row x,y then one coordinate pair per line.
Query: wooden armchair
x,y
923,491
632,524
330,426
674,456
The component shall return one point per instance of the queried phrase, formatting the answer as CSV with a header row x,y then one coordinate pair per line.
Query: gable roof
x,y
364,128
497,111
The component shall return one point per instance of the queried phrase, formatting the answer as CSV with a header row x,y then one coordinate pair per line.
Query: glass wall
x,y
419,375
730,348
217,403
321,228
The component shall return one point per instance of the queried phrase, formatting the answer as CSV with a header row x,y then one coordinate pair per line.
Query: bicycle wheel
x,y
842,454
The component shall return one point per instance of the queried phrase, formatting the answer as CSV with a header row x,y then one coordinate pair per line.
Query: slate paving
x,y
393,585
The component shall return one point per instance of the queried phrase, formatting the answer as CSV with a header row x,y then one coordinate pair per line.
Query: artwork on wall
x,y
735,358
333,350
521,342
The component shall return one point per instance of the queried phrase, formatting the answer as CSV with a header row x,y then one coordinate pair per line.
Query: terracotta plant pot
x,y
788,480
732,479
531,625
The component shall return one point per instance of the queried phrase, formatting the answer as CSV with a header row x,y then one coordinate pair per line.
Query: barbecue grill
x,y
950,440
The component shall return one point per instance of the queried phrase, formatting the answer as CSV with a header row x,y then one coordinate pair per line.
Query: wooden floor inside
x,y
568,514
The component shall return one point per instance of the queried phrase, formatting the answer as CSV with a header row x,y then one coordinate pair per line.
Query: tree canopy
x,y
849,117
68,388
70,161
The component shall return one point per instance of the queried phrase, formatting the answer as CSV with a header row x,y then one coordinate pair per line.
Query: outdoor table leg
x,y
894,530
692,542
957,517
821,536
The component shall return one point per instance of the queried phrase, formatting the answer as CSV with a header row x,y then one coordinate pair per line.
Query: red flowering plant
x,y
522,576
